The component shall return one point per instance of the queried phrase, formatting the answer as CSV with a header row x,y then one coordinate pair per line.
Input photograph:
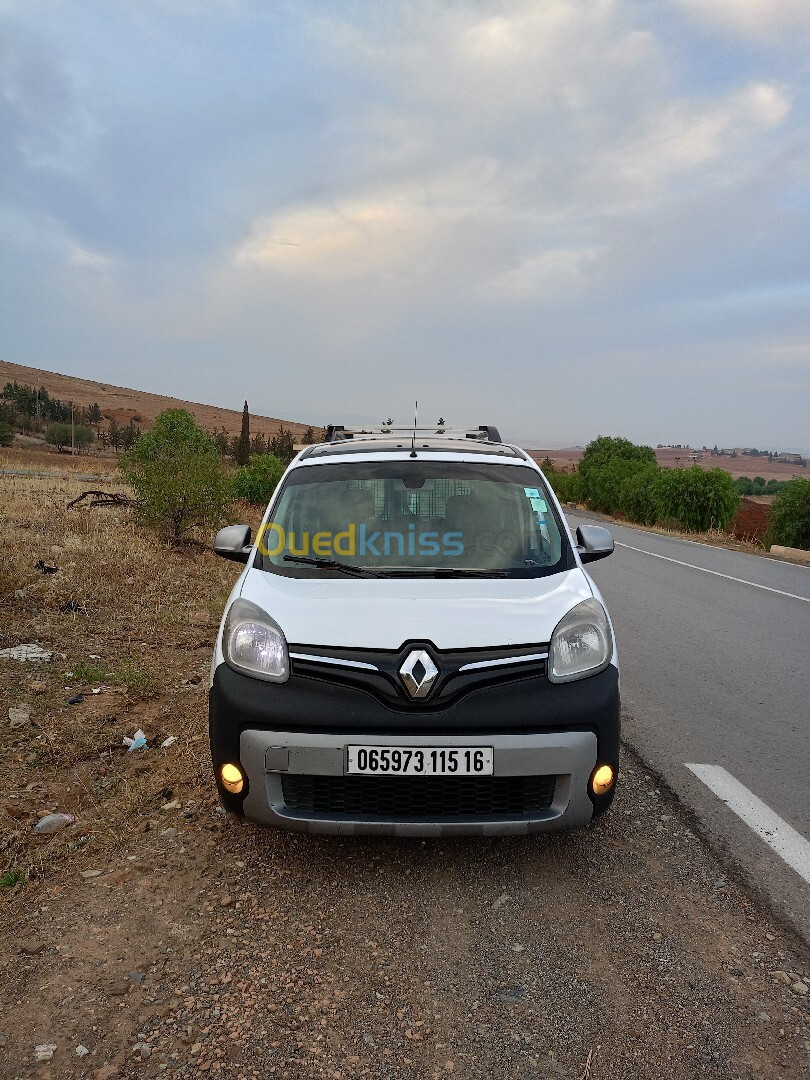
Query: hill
x,y
126,404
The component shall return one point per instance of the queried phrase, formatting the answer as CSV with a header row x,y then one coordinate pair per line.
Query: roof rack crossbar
x,y
481,433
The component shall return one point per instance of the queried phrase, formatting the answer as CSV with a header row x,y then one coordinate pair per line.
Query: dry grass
x,y
126,616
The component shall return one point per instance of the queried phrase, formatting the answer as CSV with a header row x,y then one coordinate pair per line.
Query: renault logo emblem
x,y
418,674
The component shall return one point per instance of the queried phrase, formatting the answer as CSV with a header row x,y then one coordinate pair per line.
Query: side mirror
x,y
593,542
233,542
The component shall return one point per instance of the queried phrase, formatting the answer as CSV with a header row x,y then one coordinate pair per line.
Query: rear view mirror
x,y
593,542
233,542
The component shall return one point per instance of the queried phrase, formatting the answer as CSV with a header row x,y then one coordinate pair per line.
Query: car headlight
x,y
581,644
253,643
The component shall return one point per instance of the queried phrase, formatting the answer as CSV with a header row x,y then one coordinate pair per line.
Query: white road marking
x,y
715,573
783,838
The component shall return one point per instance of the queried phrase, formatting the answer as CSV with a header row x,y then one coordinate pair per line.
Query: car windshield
x,y
414,518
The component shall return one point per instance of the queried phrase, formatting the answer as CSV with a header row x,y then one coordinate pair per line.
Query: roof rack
x,y
482,433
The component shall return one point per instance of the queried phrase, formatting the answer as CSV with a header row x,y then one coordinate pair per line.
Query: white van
x,y
414,647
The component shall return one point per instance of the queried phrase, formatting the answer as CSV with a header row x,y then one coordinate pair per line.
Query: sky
x,y
566,218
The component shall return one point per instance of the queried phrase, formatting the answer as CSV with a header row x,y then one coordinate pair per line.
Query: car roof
x,y
421,445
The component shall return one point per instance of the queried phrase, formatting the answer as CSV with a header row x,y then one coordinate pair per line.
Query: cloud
x,y
682,137
459,189
768,19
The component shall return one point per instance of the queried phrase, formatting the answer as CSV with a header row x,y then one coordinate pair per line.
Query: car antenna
x,y
413,437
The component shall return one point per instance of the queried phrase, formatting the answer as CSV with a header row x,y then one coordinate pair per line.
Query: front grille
x,y
386,798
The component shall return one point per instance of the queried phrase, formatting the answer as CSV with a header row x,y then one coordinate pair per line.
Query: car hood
x,y
383,613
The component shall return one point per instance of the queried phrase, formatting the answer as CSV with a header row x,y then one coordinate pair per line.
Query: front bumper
x,y
266,756
281,734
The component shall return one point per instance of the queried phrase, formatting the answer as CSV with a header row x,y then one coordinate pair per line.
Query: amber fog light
x,y
601,781
232,778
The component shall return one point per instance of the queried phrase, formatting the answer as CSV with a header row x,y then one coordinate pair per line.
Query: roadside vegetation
x,y
129,621
790,516
176,473
618,476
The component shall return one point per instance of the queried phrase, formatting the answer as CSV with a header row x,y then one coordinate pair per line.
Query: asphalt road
x,y
716,671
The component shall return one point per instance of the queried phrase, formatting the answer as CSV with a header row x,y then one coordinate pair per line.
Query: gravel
x,y
610,952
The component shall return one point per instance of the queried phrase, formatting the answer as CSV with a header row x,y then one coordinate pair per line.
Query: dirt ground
x,y
158,937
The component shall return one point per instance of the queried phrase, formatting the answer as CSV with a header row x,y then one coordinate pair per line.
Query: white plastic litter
x,y
81,1051
136,743
52,823
25,652
172,739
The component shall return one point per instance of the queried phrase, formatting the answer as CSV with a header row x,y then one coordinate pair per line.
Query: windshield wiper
x,y
331,564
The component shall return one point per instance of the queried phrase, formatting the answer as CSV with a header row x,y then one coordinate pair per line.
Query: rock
x,y
137,976
144,1049
799,987
518,948
37,687
782,977
32,652
81,1051
225,900
32,946
88,874
765,1017
77,699
657,937
44,1051
174,805
502,899
3,1040
169,833
19,717
53,823
511,994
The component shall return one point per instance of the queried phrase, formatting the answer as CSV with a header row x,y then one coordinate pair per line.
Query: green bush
x,y
176,472
566,486
790,515
257,481
6,434
696,499
605,484
638,497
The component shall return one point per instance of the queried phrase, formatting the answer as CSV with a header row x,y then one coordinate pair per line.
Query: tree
x,y
257,481
282,445
258,445
59,435
606,465
243,447
129,434
6,434
309,437
94,414
176,473
114,437
790,515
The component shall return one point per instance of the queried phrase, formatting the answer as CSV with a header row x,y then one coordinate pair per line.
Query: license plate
x,y
420,760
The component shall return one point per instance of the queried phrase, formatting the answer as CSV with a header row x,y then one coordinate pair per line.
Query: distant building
x,y
791,459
